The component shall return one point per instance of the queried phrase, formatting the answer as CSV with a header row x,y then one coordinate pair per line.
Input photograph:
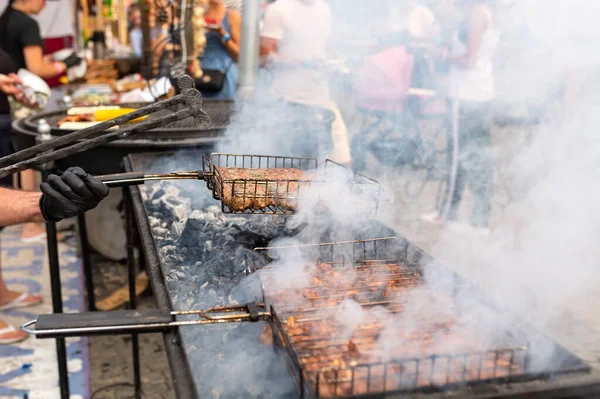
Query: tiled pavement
x,y
30,367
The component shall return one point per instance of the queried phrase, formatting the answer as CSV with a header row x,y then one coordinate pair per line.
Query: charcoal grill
x,y
323,366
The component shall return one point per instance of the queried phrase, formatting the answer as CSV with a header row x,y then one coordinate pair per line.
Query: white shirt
x,y
301,28
475,83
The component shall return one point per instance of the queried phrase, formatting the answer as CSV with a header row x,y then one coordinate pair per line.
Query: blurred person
x,y
136,37
160,35
20,38
223,30
411,21
8,86
472,91
412,24
293,41
448,17
65,196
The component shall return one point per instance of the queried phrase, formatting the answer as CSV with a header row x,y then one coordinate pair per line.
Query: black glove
x,y
72,60
71,194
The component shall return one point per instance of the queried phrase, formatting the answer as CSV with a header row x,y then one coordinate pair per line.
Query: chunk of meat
x,y
247,188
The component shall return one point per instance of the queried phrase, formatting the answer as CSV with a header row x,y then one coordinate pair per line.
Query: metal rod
x,y
89,131
87,263
93,142
131,273
121,182
248,60
57,305
183,383
137,328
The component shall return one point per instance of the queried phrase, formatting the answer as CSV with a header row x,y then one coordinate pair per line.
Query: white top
x,y
477,82
302,28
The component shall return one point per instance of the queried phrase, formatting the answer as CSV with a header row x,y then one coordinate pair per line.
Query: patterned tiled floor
x,y
30,367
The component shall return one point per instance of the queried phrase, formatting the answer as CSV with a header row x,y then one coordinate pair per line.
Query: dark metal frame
x,y
281,196
180,369
57,304
413,374
56,293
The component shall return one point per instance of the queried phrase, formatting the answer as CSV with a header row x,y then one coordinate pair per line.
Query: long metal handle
x,y
138,321
136,178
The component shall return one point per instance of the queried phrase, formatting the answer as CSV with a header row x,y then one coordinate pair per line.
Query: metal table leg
x,y
57,305
87,263
131,274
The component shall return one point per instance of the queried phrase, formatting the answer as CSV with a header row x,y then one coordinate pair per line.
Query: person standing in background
x,y
472,91
20,38
223,31
412,19
162,54
136,38
7,68
293,40
448,17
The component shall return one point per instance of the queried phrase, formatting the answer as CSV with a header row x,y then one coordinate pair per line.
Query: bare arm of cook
x,y
233,45
478,24
271,34
34,59
65,196
18,207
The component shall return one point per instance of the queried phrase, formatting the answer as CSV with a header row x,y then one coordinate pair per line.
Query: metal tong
x,y
62,325
94,136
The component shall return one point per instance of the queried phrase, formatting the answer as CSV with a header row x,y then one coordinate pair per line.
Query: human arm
x,y
8,84
18,207
478,23
68,195
158,42
272,33
232,45
35,62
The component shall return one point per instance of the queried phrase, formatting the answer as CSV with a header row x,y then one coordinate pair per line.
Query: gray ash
x,y
203,254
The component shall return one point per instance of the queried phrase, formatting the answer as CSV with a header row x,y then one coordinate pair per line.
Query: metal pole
x,y
87,263
249,46
131,272
78,39
146,64
57,305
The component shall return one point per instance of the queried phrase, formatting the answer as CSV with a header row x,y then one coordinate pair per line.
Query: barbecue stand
x,y
279,191
430,373
50,149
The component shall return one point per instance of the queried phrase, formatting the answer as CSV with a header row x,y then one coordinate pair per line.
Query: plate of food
x,y
78,118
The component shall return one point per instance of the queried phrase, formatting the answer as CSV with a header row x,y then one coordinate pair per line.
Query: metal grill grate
x,y
276,184
327,363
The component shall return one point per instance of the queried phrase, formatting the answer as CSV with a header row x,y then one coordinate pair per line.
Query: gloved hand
x,y
71,194
72,60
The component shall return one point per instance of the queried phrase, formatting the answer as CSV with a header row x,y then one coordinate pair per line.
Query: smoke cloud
x,y
539,261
